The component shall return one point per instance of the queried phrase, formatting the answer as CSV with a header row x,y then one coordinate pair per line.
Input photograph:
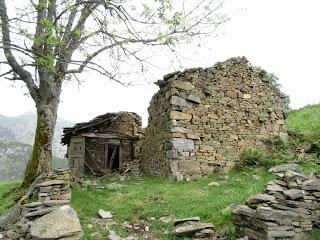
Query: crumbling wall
x,y
126,123
201,120
288,208
153,152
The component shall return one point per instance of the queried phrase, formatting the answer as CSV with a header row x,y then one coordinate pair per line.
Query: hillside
x,y
306,119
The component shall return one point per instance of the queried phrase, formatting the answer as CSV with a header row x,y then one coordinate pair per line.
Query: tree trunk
x,y
41,158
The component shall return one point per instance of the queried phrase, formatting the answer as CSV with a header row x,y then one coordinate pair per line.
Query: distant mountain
x,y
16,140
13,159
22,128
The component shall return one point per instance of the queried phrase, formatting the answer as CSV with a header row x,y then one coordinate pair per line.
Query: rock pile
x,y
288,208
49,217
201,120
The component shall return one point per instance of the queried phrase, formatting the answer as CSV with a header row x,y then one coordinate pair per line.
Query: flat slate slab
x,y
294,193
191,227
50,183
104,214
191,219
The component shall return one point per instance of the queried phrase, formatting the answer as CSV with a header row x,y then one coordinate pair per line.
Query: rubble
x,y
47,217
288,208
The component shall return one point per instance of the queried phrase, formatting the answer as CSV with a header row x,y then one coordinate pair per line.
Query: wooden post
x,y
106,152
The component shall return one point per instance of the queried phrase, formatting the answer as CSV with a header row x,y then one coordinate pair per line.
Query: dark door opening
x,y
112,160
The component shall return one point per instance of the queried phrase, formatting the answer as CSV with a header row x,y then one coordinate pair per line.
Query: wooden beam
x,y
113,156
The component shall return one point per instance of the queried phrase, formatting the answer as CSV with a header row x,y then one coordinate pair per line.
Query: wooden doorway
x,y
112,156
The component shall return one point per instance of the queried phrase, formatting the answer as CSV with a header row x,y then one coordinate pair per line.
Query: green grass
x,y
5,198
315,235
305,120
157,197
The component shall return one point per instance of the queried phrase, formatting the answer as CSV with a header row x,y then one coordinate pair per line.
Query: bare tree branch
x,y
16,67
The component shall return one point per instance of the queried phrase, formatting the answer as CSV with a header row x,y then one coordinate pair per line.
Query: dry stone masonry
x,y
288,208
201,120
47,217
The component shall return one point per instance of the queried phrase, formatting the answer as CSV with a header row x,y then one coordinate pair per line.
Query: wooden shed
x,y
106,143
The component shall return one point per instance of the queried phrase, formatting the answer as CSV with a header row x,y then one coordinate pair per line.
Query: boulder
x,y
61,223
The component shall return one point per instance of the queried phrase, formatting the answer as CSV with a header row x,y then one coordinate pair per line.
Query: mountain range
x,y
16,140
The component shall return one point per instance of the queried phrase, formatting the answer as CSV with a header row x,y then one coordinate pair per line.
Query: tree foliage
x,y
66,37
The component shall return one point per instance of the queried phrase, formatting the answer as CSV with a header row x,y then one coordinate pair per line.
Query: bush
x,y
254,157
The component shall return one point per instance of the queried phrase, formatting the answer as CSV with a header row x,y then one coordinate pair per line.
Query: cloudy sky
x,y
282,36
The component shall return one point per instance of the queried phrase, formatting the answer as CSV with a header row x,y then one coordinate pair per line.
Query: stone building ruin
x,y
104,144
200,121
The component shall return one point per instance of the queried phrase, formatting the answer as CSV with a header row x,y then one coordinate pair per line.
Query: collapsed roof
x,y
92,125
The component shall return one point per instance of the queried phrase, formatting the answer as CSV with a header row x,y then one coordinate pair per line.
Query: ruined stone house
x,y
104,144
200,121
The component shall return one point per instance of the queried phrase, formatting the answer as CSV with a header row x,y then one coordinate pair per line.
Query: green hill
x,y
306,119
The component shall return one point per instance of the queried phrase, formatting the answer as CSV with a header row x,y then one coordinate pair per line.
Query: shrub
x,y
254,157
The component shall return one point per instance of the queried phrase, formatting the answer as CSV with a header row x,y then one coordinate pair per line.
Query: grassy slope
x,y
5,201
156,197
306,119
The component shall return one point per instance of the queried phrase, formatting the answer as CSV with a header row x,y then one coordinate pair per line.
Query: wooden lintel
x,y
108,136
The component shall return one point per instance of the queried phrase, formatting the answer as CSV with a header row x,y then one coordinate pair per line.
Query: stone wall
x,y
201,120
288,208
153,152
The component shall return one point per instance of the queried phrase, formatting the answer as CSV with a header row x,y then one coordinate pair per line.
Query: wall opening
x,y
112,159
